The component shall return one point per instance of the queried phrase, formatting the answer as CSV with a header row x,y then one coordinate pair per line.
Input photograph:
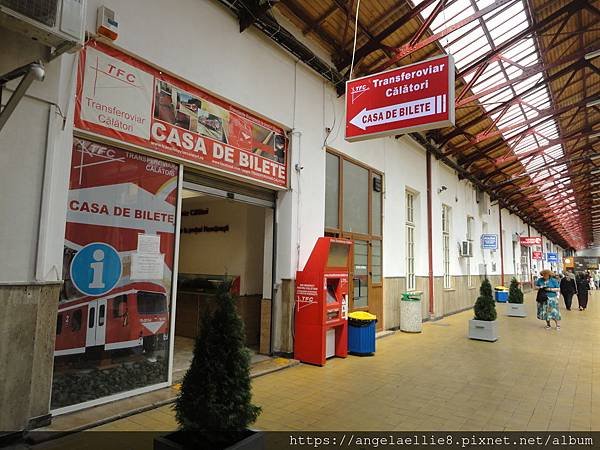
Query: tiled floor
x,y
531,379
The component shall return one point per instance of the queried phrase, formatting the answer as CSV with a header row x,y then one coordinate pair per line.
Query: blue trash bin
x,y
501,296
361,335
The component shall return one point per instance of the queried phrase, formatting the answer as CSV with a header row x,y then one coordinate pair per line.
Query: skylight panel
x,y
505,18
461,32
452,14
489,79
511,133
469,43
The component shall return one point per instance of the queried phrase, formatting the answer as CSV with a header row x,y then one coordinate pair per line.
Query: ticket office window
x,y
353,210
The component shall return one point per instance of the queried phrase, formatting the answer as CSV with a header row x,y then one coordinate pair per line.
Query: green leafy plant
x,y
515,294
485,306
215,402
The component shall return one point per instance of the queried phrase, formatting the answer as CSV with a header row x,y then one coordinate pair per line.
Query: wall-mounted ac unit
x,y
51,22
466,248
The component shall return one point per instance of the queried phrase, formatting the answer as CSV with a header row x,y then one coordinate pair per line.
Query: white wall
x,y
238,252
23,150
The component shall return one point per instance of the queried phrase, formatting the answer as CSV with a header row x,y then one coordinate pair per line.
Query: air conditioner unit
x,y
51,22
466,248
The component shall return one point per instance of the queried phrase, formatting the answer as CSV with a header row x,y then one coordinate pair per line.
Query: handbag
x,y
542,296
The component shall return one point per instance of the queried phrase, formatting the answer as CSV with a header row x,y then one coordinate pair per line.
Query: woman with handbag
x,y
548,288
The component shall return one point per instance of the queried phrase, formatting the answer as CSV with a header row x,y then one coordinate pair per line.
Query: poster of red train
x,y
118,267
123,98
416,97
119,241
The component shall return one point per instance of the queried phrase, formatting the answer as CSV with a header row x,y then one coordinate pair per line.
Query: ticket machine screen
x,y
331,288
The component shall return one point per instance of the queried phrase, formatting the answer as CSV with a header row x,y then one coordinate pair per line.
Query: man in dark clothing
x,y
568,288
583,285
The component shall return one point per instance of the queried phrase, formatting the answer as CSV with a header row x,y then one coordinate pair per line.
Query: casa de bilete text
x,y
411,98
125,99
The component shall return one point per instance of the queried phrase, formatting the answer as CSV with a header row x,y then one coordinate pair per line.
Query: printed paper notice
x,y
148,243
147,266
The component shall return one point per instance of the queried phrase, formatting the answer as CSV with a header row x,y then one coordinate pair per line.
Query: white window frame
x,y
446,245
470,222
411,282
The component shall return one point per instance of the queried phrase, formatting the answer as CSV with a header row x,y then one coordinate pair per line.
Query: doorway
x,y
226,237
365,279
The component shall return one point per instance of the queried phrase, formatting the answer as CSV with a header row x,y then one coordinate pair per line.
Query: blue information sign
x,y
552,257
489,241
96,269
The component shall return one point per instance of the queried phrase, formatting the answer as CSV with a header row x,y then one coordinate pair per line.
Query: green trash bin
x,y
411,319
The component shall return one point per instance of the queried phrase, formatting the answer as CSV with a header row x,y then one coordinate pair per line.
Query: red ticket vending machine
x,y
321,310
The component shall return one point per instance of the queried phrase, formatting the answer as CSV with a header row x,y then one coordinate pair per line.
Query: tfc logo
x,y
357,91
302,301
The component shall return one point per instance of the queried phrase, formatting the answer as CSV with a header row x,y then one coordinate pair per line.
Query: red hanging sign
x,y
530,241
410,98
537,255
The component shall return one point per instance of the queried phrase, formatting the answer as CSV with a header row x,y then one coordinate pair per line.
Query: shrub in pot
x,y
515,307
214,407
484,326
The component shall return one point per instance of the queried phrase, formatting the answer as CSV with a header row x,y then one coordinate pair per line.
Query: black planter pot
x,y
179,440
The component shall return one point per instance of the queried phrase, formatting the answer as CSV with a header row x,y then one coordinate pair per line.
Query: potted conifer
x,y
484,326
214,407
515,307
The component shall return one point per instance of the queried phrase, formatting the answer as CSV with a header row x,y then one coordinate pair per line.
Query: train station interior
x,y
257,223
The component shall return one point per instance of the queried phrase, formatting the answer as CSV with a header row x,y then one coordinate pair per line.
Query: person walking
x,y
568,288
548,310
597,279
583,286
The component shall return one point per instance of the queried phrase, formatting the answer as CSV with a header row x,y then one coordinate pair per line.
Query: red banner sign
x,y
537,255
126,99
411,98
530,241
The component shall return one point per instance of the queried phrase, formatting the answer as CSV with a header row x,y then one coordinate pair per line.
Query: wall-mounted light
x,y
592,55
593,103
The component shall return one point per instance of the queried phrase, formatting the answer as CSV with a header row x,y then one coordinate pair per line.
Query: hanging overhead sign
x,y
123,98
530,241
537,255
416,97
552,257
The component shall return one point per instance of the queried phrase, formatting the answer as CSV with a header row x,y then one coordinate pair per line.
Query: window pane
x,y
410,208
376,261
356,198
122,184
376,207
361,274
332,186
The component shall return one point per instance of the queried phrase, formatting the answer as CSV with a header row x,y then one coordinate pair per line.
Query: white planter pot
x,y
483,330
516,310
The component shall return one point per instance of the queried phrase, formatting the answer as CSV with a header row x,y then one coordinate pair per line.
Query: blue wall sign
x,y
96,269
489,241
552,257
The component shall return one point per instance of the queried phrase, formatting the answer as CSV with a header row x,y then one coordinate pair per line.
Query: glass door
x,y
360,276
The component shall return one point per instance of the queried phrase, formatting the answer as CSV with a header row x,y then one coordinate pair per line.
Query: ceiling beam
x,y
412,45
377,40
252,11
